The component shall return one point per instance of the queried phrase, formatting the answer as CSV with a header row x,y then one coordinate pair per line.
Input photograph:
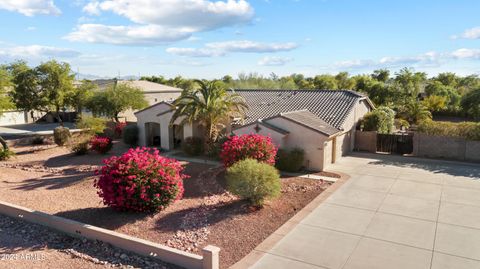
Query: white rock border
x,y
208,260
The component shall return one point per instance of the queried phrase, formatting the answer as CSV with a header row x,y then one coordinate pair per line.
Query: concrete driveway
x,y
393,212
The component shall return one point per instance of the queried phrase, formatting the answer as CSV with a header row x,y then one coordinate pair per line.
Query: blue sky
x,y
210,38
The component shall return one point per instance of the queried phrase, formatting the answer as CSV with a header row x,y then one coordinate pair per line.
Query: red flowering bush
x,y
119,128
101,144
140,180
252,146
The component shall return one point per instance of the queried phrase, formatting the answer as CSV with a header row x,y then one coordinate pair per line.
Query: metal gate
x,y
395,143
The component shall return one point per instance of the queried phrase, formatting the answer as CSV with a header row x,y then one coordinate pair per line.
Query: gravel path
x,y
27,245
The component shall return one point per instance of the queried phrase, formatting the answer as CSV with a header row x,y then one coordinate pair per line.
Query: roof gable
x,y
309,120
331,106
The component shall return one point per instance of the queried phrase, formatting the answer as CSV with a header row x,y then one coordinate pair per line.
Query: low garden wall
x,y
209,260
366,141
446,147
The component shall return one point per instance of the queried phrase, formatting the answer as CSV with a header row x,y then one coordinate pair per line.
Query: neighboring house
x,y
321,122
154,93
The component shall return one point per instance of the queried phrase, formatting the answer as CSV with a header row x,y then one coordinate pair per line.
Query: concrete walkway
x,y
393,212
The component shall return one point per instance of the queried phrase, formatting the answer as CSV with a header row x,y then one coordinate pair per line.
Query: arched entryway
x,y
152,134
177,135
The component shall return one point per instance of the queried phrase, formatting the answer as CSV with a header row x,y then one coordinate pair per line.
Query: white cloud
x,y
193,52
30,7
222,48
472,33
251,46
193,14
31,28
160,21
466,54
353,63
37,51
274,61
126,35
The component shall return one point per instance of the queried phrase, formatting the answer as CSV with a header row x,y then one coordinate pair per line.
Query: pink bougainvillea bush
x,y
101,144
252,146
119,128
140,180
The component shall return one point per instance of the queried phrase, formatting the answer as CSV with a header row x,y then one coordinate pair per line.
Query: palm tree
x,y
416,112
211,106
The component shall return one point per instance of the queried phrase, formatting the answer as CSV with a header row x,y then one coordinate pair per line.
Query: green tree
x,y
435,103
5,100
415,112
80,95
56,82
452,96
116,99
409,84
447,79
27,93
325,82
382,75
471,104
211,105
344,82
382,120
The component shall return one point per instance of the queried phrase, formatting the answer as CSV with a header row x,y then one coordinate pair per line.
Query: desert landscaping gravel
x,y
51,179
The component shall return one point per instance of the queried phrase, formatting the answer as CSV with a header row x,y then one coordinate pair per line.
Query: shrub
x,y
61,135
140,180
254,181
193,146
467,130
93,125
101,144
37,140
119,128
130,135
380,120
6,154
401,123
252,146
80,147
290,160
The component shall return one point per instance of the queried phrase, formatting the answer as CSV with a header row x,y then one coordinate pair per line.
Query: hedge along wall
x,y
455,148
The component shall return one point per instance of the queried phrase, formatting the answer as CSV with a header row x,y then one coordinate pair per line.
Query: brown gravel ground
x,y
52,180
25,245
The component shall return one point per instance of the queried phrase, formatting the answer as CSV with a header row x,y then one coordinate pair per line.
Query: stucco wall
x,y
152,98
446,147
366,141
327,153
150,115
12,118
277,138
354,117
310,141
472,151
343,144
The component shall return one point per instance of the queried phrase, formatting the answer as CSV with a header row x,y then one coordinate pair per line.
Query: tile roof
x,y
333,107
310,120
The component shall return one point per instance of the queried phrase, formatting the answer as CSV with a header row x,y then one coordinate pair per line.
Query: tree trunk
x,y
57,112
116,118
4,143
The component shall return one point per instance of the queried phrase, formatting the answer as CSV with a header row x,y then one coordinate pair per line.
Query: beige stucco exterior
x,y
153,92
320,149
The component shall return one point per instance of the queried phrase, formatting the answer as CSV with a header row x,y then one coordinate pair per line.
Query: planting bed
x,y
53,180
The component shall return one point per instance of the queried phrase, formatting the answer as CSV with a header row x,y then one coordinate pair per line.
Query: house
x,y
321,122
153,92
